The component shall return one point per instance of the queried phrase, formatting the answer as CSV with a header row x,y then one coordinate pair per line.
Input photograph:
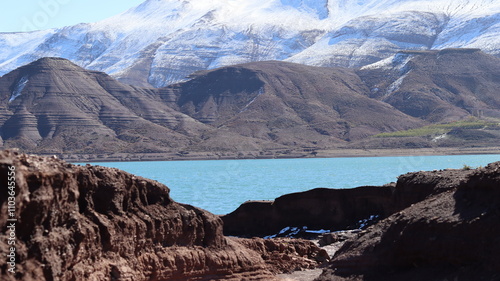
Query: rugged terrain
x,y
52,105
451,235
288,104
260,109
338,209
443,86
95,223
439,225
321,208
162,41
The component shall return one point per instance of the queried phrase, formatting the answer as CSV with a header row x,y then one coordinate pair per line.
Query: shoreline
x,y
277,154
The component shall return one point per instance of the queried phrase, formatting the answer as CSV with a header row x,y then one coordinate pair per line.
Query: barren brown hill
x,y
289,104
53,106
438,86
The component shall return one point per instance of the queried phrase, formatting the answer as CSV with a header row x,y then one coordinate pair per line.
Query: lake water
x,y
220,186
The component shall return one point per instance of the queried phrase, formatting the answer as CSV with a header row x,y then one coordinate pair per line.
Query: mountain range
x,y
160,42
54,106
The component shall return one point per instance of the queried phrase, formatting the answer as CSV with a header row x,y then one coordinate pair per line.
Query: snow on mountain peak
x,y
162,41
318,7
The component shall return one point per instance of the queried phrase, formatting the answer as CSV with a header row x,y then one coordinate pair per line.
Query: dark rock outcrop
x,y
97,223
320,208
451,235
338,209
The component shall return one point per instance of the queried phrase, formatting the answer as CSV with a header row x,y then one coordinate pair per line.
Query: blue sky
x,y
28,15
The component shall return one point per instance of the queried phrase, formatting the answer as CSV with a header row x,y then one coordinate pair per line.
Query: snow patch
x,y
260,92
438,138
396,62
18,88
400,61
396,85
367,222
292,232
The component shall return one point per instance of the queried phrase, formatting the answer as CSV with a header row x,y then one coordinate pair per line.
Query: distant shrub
x,y
466,167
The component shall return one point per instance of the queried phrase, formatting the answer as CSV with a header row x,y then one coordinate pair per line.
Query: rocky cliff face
x,y
96,223
451,235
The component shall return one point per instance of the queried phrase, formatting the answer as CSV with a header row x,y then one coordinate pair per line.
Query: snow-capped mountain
x,y
163,41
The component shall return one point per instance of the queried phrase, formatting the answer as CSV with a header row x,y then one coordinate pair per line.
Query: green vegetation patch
x,y
439,129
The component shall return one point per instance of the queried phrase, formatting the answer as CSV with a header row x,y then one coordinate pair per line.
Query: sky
x,y
29,15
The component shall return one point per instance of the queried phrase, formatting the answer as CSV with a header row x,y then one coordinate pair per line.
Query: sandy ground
x,y
306,275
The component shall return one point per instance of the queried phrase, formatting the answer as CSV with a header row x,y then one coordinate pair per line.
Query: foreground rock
x,y
439,225
451,235
96,223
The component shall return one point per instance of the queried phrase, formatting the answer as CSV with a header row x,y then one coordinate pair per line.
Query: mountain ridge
x,y
54,106
310,101
73,109
161,42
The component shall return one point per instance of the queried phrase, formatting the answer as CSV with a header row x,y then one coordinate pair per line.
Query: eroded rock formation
x,y
338,209
451,235
97,223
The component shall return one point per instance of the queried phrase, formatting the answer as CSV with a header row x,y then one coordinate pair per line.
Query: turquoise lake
x,y
220,186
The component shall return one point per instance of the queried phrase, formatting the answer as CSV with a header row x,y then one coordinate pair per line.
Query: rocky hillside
x,y
288,104
53,106
451,235
438,86
95,223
